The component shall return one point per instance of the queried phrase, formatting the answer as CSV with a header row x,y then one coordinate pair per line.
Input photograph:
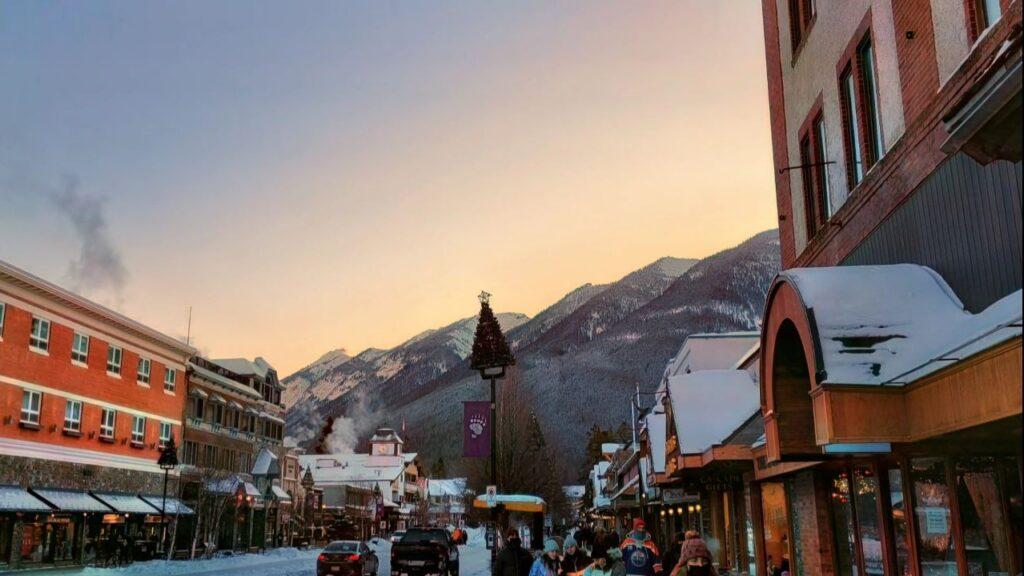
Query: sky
x,y
316,175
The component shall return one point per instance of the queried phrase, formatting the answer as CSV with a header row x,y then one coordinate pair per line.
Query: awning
x,y
234,405
175,507
280,494
273,418
197,393
252,411
513,502
17,499
218,399
709,405
126,503
71,500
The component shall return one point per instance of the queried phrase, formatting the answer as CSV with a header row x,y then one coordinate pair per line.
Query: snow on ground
x,y
474,561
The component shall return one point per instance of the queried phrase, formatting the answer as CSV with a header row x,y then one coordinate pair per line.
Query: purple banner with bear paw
x,y
476,429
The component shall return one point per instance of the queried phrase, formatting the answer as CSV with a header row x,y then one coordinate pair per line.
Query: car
x,y
347,558
396,536
423,551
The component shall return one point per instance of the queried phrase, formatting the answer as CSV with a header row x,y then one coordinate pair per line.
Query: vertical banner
x,y
476,429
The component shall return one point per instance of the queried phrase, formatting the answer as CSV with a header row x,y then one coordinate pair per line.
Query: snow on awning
x,y
656,439
709,405
891,325
173,505
280,494
252,411
17,499
71,500
271,417
197,393
126,503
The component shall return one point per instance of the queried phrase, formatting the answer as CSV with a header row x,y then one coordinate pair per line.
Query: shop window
x,y
775,513
843,525
982,520
898,511
865,500
936,548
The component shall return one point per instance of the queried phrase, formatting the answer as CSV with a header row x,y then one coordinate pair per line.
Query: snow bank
x,y
210,566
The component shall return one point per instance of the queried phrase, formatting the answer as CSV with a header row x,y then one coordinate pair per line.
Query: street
x,y
282,562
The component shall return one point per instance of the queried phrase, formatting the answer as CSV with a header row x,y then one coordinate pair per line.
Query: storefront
x,y
892,444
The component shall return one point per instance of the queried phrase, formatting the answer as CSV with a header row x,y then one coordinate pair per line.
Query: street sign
x,y
491,496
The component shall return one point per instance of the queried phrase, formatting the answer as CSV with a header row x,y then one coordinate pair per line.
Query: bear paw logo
x,y
476,425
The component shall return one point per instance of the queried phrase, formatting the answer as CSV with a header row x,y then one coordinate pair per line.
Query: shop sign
x,y
113,519
677,496
935,521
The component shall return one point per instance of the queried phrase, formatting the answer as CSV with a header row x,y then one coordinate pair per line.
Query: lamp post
x,y
378,500
491,357
168,461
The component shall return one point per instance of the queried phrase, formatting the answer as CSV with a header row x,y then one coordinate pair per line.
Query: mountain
x,y
577,360
337,384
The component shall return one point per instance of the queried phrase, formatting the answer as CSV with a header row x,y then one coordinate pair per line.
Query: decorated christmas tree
x,y
490,349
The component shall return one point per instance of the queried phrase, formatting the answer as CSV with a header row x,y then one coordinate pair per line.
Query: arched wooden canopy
x,y
855,359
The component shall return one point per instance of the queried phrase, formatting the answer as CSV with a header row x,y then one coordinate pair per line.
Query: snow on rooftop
x,y
709,405
446,486
897,323
656,438
17,499
610,447
330,469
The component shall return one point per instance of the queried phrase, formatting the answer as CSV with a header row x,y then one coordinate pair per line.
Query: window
x,y
30,405
108,418
198,408
165,433
866,62
814,175
936,545
142,373
801,16
899,506
3,311
982,14
138,430
858,94
822,161
114,360
218,413
190,453
983,522
80,348
39,339
170,376
73,416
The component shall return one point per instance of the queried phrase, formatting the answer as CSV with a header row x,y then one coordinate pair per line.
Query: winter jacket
x,y
640,555
544,566
513,561
671,558
575,562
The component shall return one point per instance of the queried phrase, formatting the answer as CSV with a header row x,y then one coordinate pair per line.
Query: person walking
x,y
548,563
694,560
639,552
574,559
513,559
673,550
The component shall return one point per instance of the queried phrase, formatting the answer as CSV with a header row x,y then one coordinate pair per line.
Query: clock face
x,y
385,449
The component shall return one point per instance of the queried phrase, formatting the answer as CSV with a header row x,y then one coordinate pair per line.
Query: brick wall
x,y
809,508
777,115
915,47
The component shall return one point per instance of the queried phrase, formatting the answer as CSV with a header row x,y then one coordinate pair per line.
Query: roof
x,y
266,464
711,351
173,505
513,502
330,469
223,381
386,435
280,493
574,490
709,405
656,433
258,367
72,300
891,325
17,499
446,486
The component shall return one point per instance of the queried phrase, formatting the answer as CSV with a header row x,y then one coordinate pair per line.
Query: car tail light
x,y
321,558
353,558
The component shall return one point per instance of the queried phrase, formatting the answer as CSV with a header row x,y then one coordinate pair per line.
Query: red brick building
x,y
87,399
891,348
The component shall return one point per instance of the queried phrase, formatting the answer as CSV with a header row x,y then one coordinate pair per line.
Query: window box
x,y
72,433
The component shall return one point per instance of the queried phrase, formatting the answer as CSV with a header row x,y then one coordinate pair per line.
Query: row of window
x,y
31,408
210,456
217,413
39,341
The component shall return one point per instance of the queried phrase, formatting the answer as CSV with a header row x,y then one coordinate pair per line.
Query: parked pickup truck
x,y
423,552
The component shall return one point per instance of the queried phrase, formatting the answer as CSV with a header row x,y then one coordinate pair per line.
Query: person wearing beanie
x,y
513,559
639,552
548,563
694,559
574,560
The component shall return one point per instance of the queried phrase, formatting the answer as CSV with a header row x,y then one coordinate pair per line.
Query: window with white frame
x,y
3,310
73,416
80,348
113,359
39,338
143,371
170,377
165,434
138,429
107,419
31,401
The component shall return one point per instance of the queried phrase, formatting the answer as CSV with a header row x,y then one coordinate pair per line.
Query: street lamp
x,y
168,461
378,500
491,356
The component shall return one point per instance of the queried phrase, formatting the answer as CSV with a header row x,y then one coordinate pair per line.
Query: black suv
x,y
425,551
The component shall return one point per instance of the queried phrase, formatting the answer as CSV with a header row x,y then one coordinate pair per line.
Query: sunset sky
x,y
314,175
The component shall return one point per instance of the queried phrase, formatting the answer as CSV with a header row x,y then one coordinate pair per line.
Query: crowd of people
x,y
600,553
